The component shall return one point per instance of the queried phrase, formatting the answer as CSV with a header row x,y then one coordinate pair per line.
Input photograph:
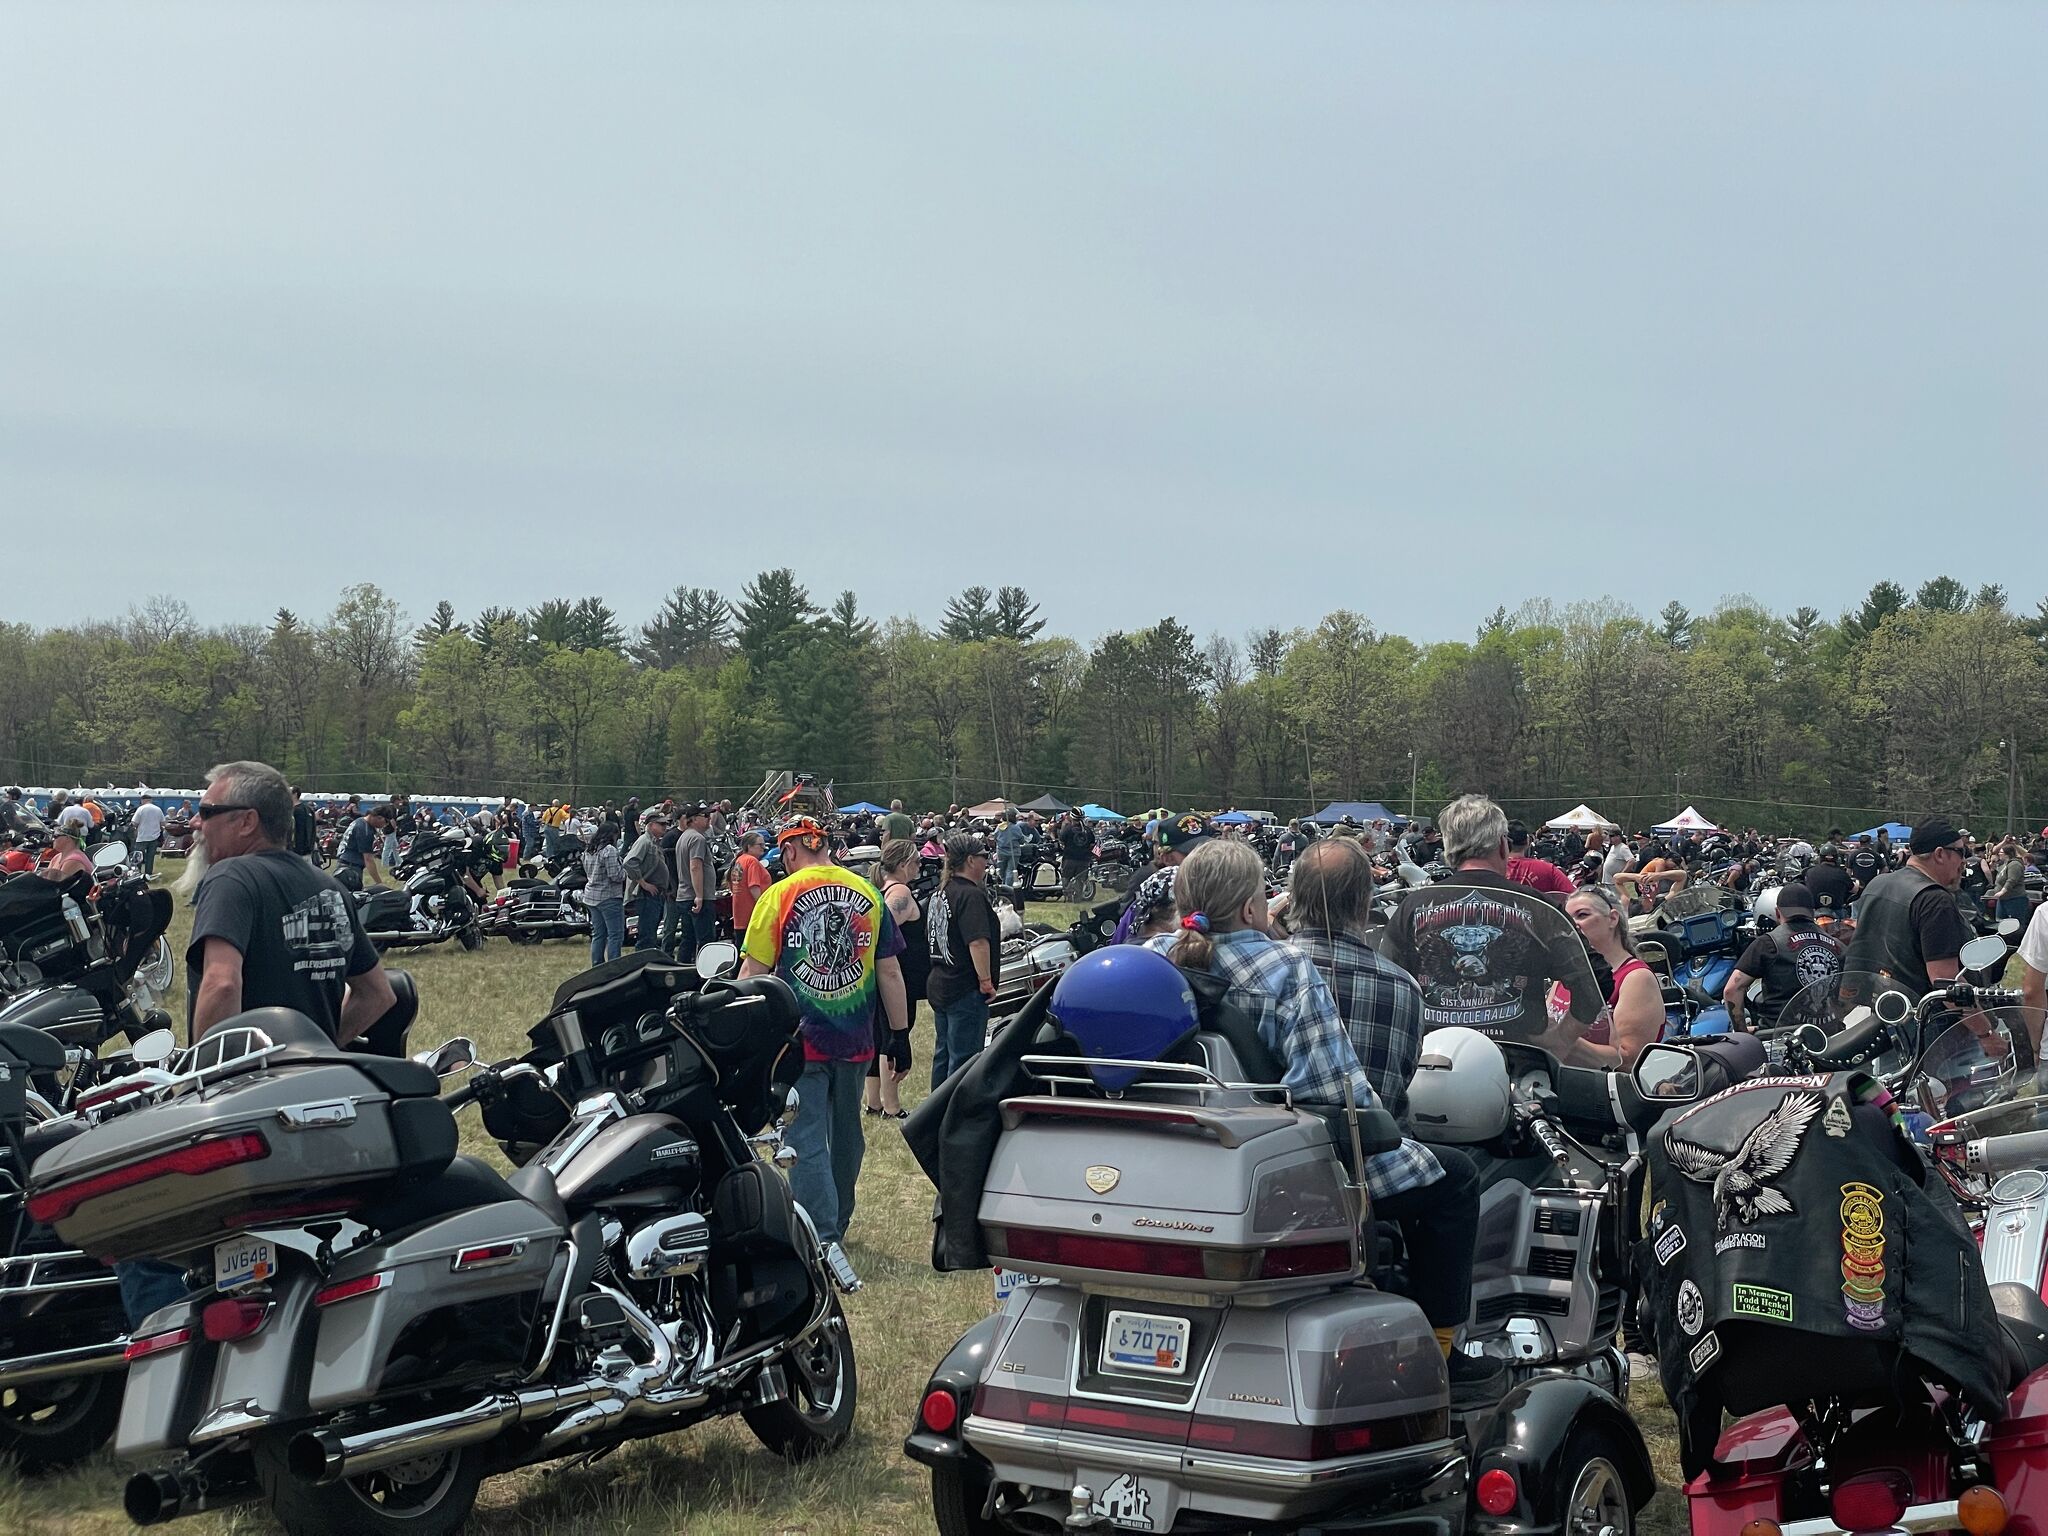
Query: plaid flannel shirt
x,y
1381,1007
1297,1018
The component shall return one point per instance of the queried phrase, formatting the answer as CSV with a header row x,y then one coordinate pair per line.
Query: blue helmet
x,y
1124,1002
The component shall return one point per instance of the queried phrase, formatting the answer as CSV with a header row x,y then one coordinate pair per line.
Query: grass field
x,y
715,1480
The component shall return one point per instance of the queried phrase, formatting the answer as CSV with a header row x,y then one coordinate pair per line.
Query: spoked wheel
x,y
1596,1501
431,1495
52,1424
817,1415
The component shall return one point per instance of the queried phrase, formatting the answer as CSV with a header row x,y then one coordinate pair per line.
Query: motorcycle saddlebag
x,y
386,911
309,1124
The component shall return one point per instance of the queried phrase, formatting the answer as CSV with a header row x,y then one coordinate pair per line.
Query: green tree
x,y
968,617
692,629
774,615
1015,617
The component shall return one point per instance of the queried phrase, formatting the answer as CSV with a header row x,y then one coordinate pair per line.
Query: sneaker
x,y
1477,1381
841,1268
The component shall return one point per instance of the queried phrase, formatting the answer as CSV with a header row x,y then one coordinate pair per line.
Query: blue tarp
x,y
863,808
1898,831
1094,812
1360,811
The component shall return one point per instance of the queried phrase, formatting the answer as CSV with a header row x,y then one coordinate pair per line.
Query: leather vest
x,y
1800,955
1885,941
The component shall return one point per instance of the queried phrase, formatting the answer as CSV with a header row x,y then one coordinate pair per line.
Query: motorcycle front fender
x,y
1527,1436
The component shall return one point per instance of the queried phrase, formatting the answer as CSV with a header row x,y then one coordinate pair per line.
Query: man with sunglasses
x,y
1908,926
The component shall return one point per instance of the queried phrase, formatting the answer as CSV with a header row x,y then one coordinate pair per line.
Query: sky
x,y
1239,312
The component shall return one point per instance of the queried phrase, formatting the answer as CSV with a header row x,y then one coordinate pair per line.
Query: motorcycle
x,y
541,903
1195,1346
435,903
87,958
379,1323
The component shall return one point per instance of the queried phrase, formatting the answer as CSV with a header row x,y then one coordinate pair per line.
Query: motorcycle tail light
x,y
233,1317
156,1344
348,1290
1496,1491
1125,1255
1982,1511
205,1156
939,1411
1871,1501
1289,1260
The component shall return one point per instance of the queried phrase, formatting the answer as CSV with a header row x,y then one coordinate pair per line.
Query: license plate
x,y
1145,1341
243,1261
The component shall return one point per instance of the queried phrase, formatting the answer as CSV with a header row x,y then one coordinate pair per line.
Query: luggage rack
x,y
1197,1080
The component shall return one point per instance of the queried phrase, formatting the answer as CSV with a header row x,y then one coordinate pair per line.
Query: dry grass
x,y
715,1480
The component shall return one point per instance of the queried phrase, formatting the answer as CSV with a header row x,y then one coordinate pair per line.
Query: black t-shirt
x,y
1077,840
1864,865
1484,951
358,843
1830,885
304,837
960,913
295,926
1938,924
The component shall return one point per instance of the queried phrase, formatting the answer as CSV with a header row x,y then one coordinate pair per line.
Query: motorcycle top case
x,y
1797,1248
310,1123
1224,1201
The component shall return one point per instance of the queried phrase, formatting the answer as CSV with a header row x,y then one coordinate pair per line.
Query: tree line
x,y
1907,701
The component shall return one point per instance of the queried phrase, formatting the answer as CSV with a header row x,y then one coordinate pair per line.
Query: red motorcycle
x,y
1881,1440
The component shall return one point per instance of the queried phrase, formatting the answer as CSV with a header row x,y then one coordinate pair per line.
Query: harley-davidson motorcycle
x,y
435,904
376,1324
85,959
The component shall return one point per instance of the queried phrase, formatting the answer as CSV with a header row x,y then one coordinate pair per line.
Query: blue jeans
x,y
958,1030
2013,906
827,1137
146,1285
1006,869
677,935
147,849
607,930
648,910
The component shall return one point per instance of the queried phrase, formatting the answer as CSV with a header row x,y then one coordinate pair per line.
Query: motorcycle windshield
x,y
1979,1059
1693,901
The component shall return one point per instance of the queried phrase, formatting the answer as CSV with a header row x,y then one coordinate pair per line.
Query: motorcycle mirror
x,y
1983,954
154,1048
1667,1074
2007,927
790,1105
450,1057
110,856
719,958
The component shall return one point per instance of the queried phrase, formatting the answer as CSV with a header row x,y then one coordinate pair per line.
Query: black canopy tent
x,y
1051,804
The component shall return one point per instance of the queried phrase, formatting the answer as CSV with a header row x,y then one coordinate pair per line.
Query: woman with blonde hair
x,y
1634,1015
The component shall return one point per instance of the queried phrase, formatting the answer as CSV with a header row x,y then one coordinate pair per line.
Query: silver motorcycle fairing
x,y
1536,1258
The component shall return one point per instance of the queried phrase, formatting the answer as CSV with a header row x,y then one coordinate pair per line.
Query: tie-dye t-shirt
x,y
822,930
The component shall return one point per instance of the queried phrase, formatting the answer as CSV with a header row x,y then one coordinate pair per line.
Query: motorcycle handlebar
x,y
2004,1154
1852,1047
1548,1139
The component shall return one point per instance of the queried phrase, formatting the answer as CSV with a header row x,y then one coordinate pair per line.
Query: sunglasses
x,y
208,812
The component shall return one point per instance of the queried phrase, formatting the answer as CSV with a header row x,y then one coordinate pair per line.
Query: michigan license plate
x,y
243,1261
1145,1341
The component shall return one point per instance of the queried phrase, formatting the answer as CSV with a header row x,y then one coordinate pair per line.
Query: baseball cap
x,y
1794,898
1183,834
1935,832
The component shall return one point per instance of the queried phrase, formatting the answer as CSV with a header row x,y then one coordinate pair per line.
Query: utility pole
x,y
2012,782
1309,765
1413,768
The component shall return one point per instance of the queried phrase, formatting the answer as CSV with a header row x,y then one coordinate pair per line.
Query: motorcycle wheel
x,y
958,1496
431,1495
817,1415
1593,1496
53,1424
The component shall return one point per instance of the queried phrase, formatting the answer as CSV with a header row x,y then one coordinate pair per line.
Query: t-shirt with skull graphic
x,y
1485,950
822,930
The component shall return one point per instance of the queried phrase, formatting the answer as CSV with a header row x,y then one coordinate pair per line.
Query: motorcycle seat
x,y
534,1184
463,1185
50,1134
2023,1316
35,1050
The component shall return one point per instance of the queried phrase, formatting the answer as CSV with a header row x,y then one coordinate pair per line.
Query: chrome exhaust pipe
x,y
323,1456
151,1498
86,1360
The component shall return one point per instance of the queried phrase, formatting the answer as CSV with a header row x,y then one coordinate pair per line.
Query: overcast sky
x,y
1236,312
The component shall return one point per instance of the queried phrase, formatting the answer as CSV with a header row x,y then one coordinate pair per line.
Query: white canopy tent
x,y
1583,818
1687,820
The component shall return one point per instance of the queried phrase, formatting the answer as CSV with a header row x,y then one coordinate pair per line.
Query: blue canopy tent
x,y
1094,812
1897,831
863,808
1234,819
1360,811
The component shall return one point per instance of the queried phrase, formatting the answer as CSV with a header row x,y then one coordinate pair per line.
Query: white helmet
x,y
1460,1092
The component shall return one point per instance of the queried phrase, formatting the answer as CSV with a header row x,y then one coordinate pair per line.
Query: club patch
x,y
1670,1245
1692,1309
1761,1301
1704,1353
1740,1176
